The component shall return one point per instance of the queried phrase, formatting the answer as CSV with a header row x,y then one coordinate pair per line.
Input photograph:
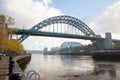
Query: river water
x,y
73,67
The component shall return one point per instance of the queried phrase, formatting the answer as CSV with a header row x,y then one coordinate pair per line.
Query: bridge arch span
x,y
61,19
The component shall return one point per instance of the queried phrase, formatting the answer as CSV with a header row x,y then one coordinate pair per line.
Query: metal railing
x,y
32,74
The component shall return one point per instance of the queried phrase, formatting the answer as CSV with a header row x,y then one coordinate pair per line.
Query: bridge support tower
x,y
99,44
108,41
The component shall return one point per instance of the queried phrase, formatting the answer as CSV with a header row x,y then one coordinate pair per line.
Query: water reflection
x,y
71,67
105,71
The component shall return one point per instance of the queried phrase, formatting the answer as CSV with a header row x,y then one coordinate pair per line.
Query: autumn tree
x,y
7,44
11,45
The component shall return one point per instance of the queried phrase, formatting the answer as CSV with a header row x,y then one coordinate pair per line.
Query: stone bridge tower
x,y
3,27
108,41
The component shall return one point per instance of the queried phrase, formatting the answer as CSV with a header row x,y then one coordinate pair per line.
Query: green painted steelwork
x,y
61,19
51,34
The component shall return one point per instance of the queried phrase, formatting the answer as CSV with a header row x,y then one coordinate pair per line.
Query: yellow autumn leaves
x,y
10,44
6,41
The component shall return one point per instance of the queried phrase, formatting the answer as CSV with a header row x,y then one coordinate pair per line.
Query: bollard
x,y
16,76
11,57
11,65
0,56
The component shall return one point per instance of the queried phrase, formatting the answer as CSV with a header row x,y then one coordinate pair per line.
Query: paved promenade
x,y
4,68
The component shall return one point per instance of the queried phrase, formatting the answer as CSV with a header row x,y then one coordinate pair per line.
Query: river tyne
x,y
73,67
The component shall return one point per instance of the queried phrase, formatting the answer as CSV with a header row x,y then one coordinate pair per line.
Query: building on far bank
x,y
45,50
3,27
70,47
70,44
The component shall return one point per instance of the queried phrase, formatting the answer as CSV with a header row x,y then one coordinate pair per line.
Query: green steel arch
x,y
61,19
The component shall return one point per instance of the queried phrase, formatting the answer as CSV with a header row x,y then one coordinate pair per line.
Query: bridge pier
x,y
108,41
99,43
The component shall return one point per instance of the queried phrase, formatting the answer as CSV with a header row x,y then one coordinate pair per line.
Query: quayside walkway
x,y
5,69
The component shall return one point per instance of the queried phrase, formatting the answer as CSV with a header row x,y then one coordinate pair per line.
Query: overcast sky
x,y
100,15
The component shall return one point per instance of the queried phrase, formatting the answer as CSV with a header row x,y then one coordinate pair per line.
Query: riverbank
x,y
23,60
108,55
10,68
4,68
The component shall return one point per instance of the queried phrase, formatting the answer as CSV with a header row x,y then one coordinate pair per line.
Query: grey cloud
x,y
107,20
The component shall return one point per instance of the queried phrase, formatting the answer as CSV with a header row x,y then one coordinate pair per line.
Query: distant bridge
x,y
66,27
